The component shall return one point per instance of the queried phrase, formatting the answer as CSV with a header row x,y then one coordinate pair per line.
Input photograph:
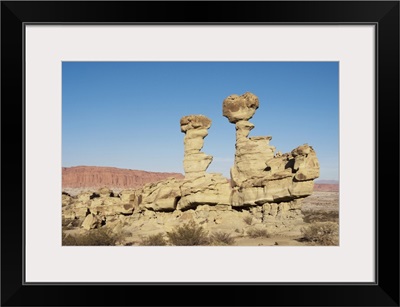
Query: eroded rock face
x,y
95,177
195,127
237,108
251,153
267,184
259,176
160,196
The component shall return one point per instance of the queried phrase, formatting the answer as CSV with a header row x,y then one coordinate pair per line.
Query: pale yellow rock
x,y
83,197
260,176
290,211
302,150
80,204
302,188
307,165
95,202
194,122
193,145
161,196
241,107
264,185
197,163
104,192
187,216
278,164
243,128
111,210
81,212
91,221
69,214
195,128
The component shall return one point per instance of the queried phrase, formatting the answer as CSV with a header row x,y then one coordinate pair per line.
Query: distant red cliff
x,y
111,177
325,187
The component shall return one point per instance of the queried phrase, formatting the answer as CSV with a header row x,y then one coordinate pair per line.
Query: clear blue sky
x,y
126,114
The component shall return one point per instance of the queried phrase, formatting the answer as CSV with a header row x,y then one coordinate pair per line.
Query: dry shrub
x,y
258,233
154,240
321,233
94,237
248,220
188,234
222,238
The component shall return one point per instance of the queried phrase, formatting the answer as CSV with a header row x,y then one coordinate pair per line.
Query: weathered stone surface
x,y
66,200
250,156
306,164
195,122
127,196
260,192
251,153
195,162
85,196
160,196
91,221
93,177
264,185
237,108
211,189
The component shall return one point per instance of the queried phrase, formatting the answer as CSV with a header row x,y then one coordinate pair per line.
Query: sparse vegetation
x,y
94,237
188,234
248,220
154,240
222,238
321,233
258,233
320,216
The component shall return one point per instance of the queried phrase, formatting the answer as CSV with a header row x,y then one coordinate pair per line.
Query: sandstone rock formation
x,y
326,187
195,128
259,175
237,108
198,187
266,184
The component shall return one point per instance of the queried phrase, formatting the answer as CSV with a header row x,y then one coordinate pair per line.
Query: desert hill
x,y
326,187
92,177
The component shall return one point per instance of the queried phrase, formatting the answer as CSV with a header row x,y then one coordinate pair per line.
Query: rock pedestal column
x,y
195,162
258,175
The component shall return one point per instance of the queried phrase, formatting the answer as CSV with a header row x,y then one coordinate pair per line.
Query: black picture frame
x,y
383,14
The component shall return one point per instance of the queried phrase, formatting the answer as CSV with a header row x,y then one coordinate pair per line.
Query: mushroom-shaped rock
x,y
237,108
195,122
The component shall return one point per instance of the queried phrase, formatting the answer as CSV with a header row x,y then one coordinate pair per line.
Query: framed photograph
x,y
238,147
